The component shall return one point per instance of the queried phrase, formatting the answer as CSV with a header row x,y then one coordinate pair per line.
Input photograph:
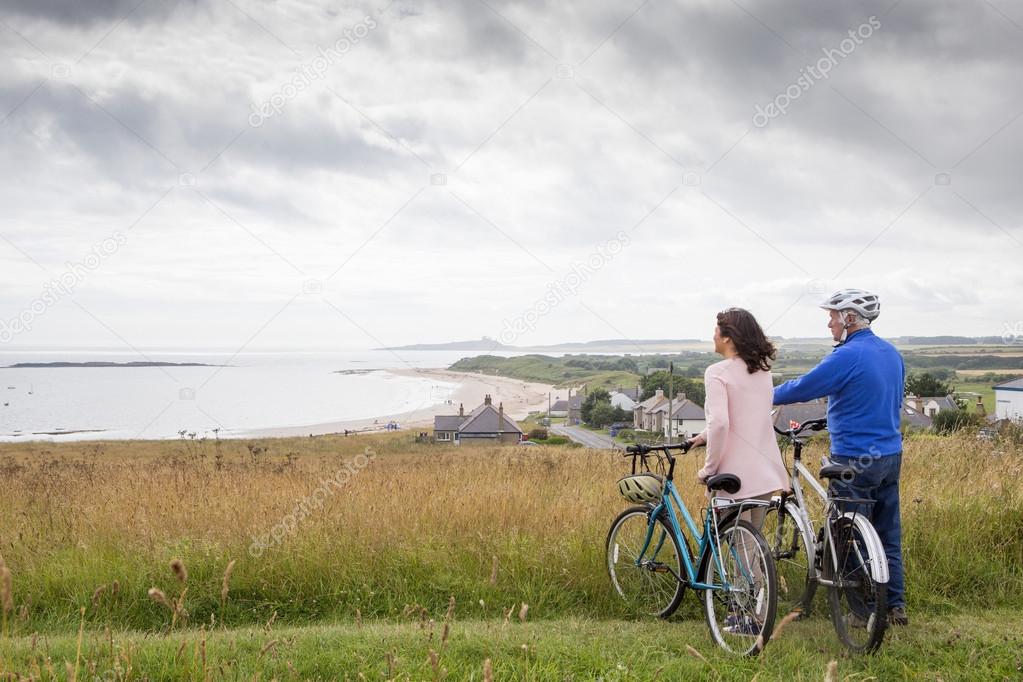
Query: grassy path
x,y
977,645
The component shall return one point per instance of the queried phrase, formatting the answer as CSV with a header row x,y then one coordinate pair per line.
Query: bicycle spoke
x,y
858,603
792,562
741,610
647,583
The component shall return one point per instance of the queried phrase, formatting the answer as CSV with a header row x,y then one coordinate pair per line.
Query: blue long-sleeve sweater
x,y
864,380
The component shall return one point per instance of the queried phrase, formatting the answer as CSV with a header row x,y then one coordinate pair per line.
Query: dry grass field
x,y
351,534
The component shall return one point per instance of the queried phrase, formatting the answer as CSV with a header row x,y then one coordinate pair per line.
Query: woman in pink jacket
x,y
740,434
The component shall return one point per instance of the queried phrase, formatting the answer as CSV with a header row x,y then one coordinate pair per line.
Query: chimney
x,y
500,420
486,399
461,410
680,396
659,393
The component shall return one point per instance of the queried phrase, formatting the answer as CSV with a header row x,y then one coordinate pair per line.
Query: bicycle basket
x,y
641,488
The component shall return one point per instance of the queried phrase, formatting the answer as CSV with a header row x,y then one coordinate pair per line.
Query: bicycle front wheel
x,y
788,544
648,581
859,608
743,603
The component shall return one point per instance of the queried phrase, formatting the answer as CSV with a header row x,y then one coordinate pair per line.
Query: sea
x,y
233,395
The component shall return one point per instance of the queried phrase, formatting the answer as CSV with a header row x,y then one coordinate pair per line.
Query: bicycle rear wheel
x,y
859,608
788,545
741,610
649,584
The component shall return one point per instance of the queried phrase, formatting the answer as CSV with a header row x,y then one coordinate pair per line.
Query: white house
x,y
931,405
687,420
1009,400
559,409
625,398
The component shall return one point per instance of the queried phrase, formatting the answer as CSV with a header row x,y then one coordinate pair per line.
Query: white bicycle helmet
x,y
863,302
641,488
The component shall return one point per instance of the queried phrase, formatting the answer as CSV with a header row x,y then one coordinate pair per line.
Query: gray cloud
x,y
553,126
71,13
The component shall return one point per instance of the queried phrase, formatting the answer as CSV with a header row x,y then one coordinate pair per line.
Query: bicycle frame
x,y
805,524
704,538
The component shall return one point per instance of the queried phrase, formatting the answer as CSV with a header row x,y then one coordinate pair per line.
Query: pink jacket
x,y
740,435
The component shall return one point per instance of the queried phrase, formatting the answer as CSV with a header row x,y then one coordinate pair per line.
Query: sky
x,y
246,174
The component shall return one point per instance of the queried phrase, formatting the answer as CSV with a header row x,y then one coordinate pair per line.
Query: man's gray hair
x,y
857,318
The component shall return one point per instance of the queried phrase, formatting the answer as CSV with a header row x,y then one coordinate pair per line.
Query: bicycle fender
x,y
792,509
879,571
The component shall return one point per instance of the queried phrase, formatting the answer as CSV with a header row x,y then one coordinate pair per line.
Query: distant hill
x,y
100,363
947,340
487,343
672,345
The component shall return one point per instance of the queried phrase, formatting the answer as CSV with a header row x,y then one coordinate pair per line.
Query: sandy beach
x,y
519,398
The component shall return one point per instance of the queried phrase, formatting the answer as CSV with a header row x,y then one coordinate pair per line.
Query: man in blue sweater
x,y
863,379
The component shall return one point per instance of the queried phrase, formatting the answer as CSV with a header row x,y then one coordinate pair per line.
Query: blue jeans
x,y
877,479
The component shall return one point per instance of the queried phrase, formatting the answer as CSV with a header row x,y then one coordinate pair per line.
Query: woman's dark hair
x,y
750,341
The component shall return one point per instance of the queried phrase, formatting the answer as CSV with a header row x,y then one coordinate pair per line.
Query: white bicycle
x,y
843,554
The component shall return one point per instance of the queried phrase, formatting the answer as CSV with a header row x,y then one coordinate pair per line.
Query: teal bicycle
x,y
651,563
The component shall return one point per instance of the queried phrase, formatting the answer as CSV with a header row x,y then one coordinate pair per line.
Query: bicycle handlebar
x,y
809,424
641,449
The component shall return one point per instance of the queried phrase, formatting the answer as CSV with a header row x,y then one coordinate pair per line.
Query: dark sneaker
x,y
897,616
742,626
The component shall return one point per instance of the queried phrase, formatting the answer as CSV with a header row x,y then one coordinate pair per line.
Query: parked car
x,y
618,426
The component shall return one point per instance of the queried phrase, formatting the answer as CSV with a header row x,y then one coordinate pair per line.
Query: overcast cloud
x,y
441,164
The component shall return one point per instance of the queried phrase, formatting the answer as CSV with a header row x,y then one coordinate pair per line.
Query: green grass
x,y
984,388
961,646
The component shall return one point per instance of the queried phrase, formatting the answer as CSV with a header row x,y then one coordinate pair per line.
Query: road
x,y
591,439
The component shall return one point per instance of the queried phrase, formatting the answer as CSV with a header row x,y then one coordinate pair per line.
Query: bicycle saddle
x,y
730,483
837,471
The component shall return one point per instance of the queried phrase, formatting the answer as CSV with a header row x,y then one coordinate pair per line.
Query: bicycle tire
x,y
788,544
863,590
637,585
762,595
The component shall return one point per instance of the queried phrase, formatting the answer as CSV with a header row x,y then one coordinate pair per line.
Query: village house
x,y
485,423
647,415
931,405
574,415
687,419
800,412
559,409
1009,400
625,398
916,412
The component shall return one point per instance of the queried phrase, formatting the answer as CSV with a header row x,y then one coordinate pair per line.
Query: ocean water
x,y
255,390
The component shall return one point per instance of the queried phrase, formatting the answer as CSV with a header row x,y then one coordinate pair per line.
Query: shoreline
x,y
519,398
466,388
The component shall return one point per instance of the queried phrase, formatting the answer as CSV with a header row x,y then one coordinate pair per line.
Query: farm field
x,y
336,557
